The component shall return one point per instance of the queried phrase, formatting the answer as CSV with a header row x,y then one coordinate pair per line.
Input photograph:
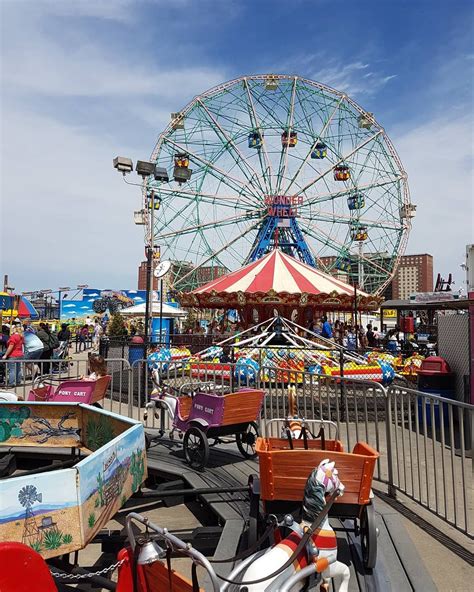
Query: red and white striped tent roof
x,y
281,273
276,274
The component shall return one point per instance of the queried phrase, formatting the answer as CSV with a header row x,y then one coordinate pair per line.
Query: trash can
x,y
435,378
136,351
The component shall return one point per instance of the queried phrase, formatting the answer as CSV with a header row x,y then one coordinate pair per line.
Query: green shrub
x,y
53,539
91,520
67,539
37,546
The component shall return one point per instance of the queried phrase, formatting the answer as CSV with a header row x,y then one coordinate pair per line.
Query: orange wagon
x,y
285,465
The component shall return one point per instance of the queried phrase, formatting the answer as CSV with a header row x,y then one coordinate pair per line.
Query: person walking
x,y
370,336
50,341
15,352
98,331
83,336
33,348
65,333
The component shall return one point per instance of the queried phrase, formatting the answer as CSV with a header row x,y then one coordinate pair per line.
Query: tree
x,y
116,326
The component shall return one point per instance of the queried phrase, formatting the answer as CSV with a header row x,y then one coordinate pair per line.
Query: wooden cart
x,y
201,416
285,466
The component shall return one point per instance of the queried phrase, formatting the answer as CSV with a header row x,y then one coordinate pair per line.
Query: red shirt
x,y
17,342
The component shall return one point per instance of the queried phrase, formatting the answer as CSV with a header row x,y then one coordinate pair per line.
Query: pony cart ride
x,y
286,463
198,416
69,390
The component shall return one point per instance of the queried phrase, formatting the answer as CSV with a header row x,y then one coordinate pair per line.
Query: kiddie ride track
x,y
98,485
55,512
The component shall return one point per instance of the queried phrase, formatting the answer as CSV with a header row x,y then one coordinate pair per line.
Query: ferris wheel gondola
x,y
279,161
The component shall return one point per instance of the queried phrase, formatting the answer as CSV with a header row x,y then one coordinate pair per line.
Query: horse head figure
x,y
321,550
324,480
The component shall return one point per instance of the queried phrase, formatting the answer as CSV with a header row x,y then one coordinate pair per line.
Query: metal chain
x,y
101,572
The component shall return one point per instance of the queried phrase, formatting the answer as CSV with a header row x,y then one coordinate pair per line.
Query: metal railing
x,y
429,444
424,441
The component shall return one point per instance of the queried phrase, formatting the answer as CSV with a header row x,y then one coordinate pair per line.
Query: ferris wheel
x,y
278,161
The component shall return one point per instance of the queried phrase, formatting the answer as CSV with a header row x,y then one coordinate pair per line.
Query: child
x,y
97,367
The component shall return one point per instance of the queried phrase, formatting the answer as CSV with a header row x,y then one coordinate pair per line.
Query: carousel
x,y
278,299
280,285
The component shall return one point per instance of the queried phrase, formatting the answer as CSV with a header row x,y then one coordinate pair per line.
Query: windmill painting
x,y
43,514
27,497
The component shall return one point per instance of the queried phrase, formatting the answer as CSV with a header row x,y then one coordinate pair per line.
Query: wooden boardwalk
x,y
399,567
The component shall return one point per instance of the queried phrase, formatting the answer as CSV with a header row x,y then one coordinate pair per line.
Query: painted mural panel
x,y
42,511
109,477
40,424
95,301
100,427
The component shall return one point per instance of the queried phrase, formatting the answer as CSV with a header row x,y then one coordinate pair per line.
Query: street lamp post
x,y
146,170
149,273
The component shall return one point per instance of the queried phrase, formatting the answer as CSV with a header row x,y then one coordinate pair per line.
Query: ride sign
x,y
283,206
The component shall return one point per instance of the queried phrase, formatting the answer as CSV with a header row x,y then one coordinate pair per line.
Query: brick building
x,y
414,274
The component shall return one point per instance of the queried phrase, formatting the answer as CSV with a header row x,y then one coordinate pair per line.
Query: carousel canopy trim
x,y
277,277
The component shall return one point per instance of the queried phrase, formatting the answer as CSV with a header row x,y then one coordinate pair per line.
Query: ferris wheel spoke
x,y
208,225
340,219
335,194
228,201
221,175
164,221
282,166
321,236
341,248
344,158
265,163
318,139
236,154
222,249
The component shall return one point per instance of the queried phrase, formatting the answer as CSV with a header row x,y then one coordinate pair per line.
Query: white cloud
x,y
57,160
356,77
438,158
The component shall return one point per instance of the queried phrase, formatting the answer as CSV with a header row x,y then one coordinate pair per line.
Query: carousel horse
x,y
320,550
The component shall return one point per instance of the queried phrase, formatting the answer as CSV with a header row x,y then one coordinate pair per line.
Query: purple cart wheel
x,y
246,440
196,448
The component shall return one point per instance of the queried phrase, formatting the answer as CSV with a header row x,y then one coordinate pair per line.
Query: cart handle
x,y
195,384
316,422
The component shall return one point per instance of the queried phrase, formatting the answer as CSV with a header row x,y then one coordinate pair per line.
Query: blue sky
x,y
83,81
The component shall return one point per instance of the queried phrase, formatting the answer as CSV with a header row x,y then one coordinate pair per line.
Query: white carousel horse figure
x,y
322,546
160,398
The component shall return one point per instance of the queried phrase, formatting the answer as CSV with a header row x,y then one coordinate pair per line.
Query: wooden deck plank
x,y
409,558
345,554
389,569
